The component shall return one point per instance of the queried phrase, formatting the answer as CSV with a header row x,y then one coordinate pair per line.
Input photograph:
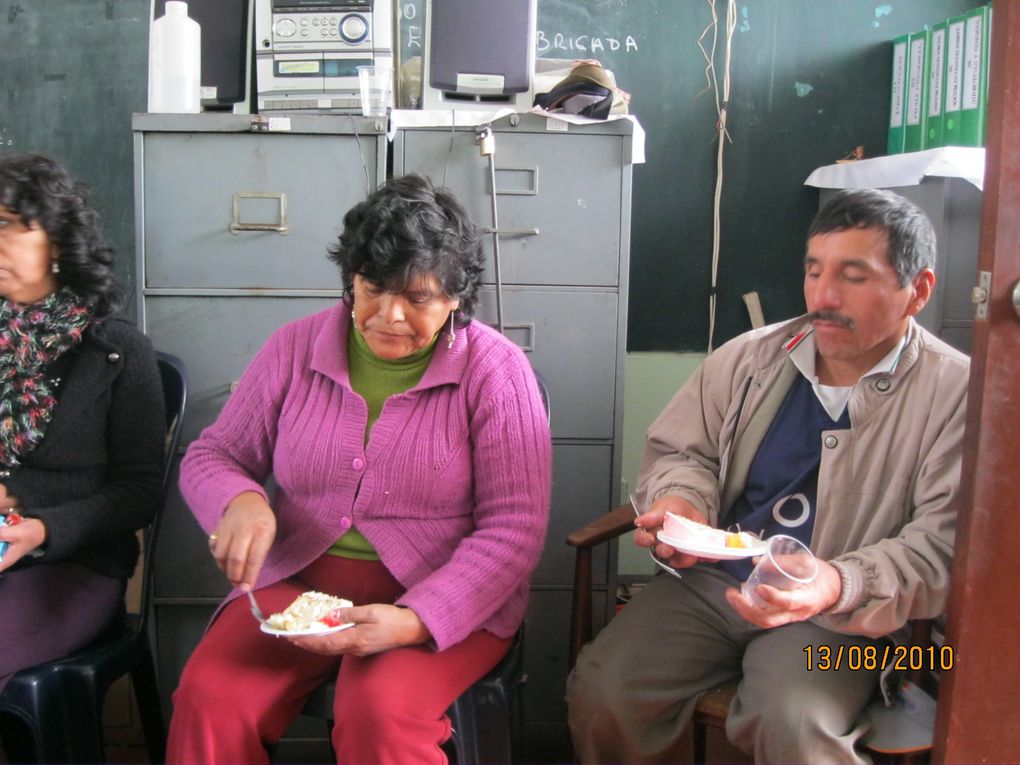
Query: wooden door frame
x,y
978,718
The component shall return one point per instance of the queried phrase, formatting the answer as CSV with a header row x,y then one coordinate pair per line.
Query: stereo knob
x,y
353,28
285,28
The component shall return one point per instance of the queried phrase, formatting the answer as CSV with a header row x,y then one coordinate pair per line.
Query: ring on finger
x,y
213,537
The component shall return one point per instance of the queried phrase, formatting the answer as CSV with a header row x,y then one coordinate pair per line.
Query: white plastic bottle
x,y
175,61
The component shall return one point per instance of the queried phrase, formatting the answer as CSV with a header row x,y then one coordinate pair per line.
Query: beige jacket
x,y
888,488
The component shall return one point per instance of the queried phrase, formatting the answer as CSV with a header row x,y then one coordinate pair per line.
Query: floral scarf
x,y
31,338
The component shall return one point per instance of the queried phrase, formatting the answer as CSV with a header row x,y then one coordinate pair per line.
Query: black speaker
x,y
479,54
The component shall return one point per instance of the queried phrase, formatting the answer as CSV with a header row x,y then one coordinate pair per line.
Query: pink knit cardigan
x,y
452,489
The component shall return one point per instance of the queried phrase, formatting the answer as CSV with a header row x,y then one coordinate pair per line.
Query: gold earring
x,y
453,335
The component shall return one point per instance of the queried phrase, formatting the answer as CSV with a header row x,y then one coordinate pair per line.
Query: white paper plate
x,y
305,633
713,551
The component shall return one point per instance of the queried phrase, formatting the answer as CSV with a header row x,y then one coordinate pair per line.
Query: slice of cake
x,y
310,611
693,533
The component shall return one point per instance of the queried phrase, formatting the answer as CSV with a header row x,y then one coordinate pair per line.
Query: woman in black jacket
x,y
81,421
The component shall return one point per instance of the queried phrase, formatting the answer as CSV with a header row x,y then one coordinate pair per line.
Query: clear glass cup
x,y
786,565
376,86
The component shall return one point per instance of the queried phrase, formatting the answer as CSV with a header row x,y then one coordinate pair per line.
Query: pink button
x,y
345,523
358,463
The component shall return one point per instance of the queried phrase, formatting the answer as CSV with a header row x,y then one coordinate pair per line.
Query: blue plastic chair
x,y
61,703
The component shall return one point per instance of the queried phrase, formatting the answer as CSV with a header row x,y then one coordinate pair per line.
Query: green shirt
x,y
375,380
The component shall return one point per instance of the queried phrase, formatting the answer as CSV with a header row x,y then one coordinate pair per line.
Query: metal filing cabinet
x,y
954,207
563,198
233,216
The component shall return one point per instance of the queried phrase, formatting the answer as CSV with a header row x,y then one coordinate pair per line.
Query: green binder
x,y
967,66
953,102
897,96
987,70
974,108
915,108
935,76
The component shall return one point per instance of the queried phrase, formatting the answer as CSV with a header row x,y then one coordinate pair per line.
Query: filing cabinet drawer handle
x,y
511,231
510,174
528,346
237,226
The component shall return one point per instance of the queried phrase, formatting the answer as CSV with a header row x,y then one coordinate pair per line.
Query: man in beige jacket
x,y
842,428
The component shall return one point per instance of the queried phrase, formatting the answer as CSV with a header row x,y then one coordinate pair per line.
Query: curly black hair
x,y
406,229
38,188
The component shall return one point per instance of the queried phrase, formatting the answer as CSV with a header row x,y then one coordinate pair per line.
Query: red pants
x,y
241,689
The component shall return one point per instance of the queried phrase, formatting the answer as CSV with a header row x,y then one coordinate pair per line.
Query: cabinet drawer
x,y
546,649
568,188
216,337
178,630
183,566
958,248
582,486
960,337
571,339
194,182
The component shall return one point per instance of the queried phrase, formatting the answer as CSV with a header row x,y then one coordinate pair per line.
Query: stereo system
x,y
478,54
307,52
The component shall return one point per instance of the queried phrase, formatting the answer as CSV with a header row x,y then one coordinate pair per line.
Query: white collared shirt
x,y
834,398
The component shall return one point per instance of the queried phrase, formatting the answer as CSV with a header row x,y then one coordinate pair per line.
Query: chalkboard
x,y
73,71
809,82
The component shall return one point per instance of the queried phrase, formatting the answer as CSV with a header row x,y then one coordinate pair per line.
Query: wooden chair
x,y
608,527
713,708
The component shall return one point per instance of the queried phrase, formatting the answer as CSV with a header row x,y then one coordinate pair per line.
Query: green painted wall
x,y
652,379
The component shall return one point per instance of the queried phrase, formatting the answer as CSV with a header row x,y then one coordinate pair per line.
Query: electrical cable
x,y
449,149
710,83
723,136
361,151
486,140
487,145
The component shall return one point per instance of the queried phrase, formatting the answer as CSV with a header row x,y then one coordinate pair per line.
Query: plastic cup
x,y
786,565
376,86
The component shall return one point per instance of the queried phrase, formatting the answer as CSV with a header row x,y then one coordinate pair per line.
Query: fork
x,y
651,550
255,610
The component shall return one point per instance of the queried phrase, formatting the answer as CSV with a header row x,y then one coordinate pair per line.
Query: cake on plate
x,y
309,612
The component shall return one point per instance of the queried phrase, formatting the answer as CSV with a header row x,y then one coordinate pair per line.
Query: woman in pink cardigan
x,y
411,451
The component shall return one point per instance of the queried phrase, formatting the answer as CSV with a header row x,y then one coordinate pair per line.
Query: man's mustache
x,y
833,316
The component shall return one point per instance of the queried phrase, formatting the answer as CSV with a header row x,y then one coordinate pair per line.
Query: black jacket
x,y
95,478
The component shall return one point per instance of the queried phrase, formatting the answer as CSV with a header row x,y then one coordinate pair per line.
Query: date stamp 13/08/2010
x,y
932,658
